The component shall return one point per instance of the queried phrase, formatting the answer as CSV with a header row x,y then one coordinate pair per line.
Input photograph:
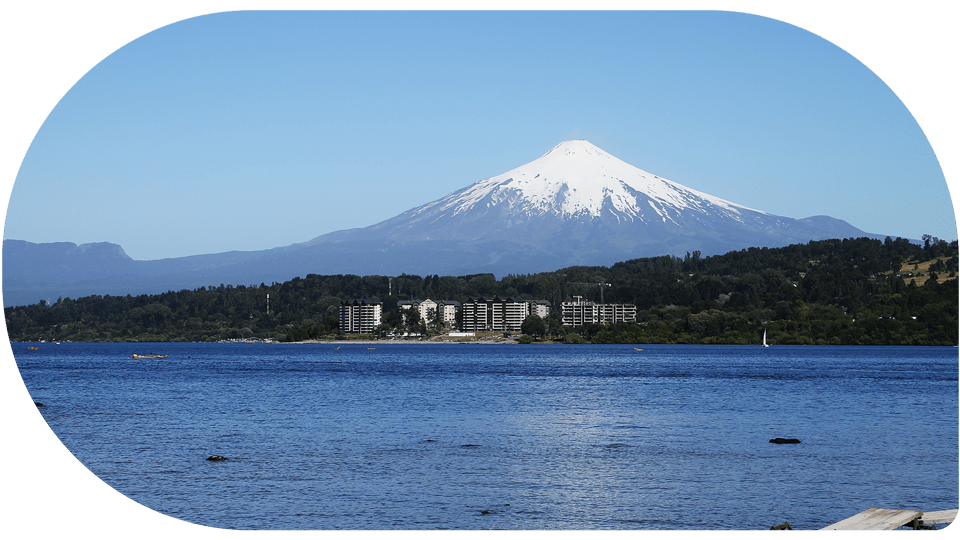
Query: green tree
x,y
435,317
411,318
534,326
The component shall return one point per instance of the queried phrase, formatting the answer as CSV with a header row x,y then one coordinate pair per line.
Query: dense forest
x,y
851,291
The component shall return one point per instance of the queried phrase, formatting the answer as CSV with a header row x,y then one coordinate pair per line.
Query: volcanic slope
x,y
575,205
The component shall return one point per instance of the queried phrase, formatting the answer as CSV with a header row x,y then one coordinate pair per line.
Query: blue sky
x,y
252,130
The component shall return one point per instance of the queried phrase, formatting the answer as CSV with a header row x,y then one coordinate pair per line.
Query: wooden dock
x,y
938,517
885,519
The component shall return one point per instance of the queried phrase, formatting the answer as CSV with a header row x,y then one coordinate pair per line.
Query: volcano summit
x,y
575,205
576,181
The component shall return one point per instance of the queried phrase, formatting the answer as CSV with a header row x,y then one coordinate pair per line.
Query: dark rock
x,y
216,458
778,440
38,404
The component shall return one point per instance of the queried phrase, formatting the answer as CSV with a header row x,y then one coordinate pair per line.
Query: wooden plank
x,y
875,519
940,516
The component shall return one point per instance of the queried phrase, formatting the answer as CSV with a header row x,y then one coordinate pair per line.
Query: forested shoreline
x,y
843,292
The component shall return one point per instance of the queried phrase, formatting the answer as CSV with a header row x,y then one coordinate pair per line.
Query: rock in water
x,y
216,458
778,440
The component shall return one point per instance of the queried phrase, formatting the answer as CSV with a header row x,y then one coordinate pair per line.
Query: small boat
x,y
765,338
141,356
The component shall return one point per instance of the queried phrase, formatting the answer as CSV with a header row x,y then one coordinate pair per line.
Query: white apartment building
x,y
425,307
495,314
360,316
447,308
579,313
540,308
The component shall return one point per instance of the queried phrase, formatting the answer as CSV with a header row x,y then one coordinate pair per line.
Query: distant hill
x,y
575,205
841,292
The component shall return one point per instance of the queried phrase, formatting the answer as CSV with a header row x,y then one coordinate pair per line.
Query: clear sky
x,y
253,130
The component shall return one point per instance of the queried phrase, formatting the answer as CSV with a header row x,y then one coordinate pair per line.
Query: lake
x,y
535,437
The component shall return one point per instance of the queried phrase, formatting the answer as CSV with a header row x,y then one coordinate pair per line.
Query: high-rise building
x,y
579,313
495,314
360,316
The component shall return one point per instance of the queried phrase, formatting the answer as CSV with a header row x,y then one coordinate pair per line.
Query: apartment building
x,y
540,308
579,313
360,316
495,314
446,308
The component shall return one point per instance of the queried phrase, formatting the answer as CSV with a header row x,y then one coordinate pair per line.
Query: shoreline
x,y
408,341
508,341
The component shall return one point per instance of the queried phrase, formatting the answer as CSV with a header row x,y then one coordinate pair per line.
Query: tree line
x,y
850,291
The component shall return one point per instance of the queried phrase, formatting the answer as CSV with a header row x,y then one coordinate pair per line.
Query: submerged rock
x,y
778,440
216,458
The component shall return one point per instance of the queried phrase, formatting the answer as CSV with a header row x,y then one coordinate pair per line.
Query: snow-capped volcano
x,y
574,205
576,180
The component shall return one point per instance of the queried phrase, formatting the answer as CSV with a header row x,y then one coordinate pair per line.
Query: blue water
x,y
507,436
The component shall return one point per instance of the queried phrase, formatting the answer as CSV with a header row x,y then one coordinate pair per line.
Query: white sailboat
x,y
765,338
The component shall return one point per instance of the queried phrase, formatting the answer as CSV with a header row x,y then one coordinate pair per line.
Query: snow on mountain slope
x,y
576,179
575,204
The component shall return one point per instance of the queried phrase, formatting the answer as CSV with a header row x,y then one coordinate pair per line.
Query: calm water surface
x,y
507,437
